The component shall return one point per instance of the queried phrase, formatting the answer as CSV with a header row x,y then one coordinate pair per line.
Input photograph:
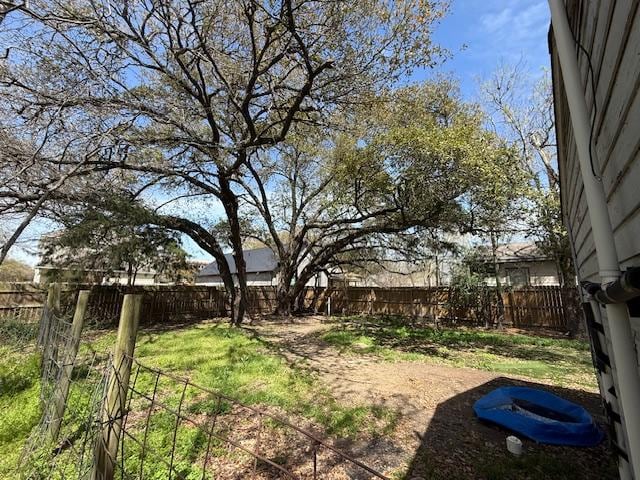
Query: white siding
x,y
610,32
540,273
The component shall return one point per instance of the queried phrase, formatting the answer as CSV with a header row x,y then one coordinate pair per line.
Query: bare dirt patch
x,y
437,435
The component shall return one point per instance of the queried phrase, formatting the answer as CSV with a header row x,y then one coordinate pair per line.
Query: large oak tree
x,y
178,95
411,165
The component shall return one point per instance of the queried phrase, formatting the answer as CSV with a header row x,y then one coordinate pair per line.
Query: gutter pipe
x,y
623,290
620,333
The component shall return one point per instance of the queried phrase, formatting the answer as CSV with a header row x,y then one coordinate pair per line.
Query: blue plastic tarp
x,y
540,416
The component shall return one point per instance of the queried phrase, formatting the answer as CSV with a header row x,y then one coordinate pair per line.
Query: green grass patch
x,y
563,362
228,361
19,405
217,357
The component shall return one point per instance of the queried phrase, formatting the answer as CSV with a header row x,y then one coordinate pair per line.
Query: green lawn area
x,y
19,405
558,361
214,356
240,364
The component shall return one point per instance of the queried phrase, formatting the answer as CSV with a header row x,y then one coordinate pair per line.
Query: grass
x,y
19,405
214,356
562,362
230,362
241,366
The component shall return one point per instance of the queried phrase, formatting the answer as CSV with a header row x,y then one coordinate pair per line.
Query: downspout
x,y
621,335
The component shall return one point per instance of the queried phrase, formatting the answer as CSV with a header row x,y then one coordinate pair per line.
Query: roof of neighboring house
x,y
514,252
257,260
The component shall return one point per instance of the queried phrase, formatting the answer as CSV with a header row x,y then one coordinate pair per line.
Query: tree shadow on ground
x,y
456,445
426,340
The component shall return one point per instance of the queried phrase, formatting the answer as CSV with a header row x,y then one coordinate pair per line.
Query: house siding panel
x,y
610,32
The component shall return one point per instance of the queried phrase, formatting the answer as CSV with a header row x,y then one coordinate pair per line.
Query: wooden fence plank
x,y
532,307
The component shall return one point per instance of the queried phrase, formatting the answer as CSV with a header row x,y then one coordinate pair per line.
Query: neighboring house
x,y
432,272
608,33
519,265
43,273
261,266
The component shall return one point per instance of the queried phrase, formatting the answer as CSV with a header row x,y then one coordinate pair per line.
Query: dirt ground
x,y
437,435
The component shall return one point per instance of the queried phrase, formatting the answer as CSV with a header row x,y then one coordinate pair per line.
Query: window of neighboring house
x,y
518,277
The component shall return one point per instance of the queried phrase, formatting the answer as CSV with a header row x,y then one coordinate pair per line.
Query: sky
x,y
480,35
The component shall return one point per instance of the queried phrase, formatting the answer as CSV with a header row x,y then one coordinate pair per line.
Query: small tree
x,y
12,270
468,295
522,111
104,244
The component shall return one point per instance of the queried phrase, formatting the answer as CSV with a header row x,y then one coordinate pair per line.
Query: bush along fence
x,y
107,417
534,307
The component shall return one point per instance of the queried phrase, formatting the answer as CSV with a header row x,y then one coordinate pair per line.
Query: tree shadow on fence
x,y
455,444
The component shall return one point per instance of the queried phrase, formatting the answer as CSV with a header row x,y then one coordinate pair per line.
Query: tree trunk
x,y
210,244
496,271
239,306
285,301
298,288
230,203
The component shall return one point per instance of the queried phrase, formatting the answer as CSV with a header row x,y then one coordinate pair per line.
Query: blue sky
x,y
480,34
483,33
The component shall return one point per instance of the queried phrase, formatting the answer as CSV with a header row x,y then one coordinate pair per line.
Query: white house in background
x,y
262,270
519,265
100,277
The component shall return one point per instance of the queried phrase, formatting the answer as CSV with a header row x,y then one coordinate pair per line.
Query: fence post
x,y
114,408
53,297
62,388
52,307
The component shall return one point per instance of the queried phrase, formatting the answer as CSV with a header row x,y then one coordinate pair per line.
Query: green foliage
x,y
15,271
15,333
548,227
19,405
468,293
410,165
109,240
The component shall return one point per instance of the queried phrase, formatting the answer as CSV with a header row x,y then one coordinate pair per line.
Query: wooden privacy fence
x,y
546,307
534,307
159,303
22,302
550,307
